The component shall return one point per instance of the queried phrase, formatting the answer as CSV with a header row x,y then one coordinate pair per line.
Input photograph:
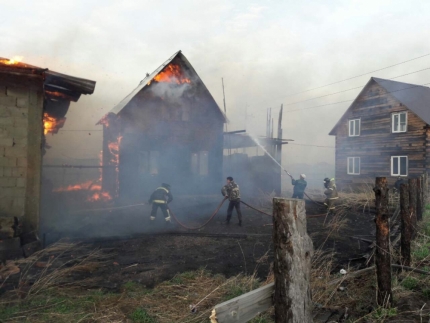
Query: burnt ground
x,y
150,254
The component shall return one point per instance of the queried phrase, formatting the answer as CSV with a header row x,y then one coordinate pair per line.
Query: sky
x,y
266,52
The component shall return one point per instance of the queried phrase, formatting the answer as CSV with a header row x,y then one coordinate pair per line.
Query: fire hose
x,y
201,226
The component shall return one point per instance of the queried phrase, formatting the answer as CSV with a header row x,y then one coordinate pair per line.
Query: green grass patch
x,y
383,313
141,316
422,252
410,283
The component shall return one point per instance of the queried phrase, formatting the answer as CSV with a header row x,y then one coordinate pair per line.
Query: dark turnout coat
x,y
161,195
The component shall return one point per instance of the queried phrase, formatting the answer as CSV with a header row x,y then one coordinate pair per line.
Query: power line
x,y
353,77
311,145
324,105
354,88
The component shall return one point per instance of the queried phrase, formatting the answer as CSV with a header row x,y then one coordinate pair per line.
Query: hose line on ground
x,y
204,224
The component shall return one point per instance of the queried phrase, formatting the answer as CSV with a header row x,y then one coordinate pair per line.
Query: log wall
x,y
376,143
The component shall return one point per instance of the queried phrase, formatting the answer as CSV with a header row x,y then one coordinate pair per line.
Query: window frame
x,y
392,121
353,165
398,166
359,127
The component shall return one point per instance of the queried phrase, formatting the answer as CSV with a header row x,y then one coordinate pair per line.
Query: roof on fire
x,y
56,85
415,97
148,79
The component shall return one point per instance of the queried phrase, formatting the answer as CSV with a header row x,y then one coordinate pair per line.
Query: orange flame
x,y
77,187
171,74
13,61
51,124
102,196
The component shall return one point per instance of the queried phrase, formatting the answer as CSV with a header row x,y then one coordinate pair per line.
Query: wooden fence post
x,y
406,225
292,265
419,198
382,254
413,205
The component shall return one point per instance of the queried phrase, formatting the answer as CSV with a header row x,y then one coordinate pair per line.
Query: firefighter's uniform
x,y
331,194
160,198
232,192
299,187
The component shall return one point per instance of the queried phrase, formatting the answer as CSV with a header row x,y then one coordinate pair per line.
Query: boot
x,y
240,223
167,220
227,222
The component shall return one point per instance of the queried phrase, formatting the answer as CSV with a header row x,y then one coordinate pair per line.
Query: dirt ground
x,y
151,253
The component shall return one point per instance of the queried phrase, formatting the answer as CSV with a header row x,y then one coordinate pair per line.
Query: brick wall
x,y
15,103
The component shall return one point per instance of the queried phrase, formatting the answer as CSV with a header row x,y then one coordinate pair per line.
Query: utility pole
x,y
226,121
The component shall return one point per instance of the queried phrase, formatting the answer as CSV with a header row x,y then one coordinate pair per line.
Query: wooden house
x,y
385,132
169,129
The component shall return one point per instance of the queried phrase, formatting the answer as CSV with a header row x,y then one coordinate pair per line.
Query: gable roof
x,y
415,97
148,80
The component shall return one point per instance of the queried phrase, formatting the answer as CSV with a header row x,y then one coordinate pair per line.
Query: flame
x,y
77,187
105,121
171,74
13,61
99,196
51,124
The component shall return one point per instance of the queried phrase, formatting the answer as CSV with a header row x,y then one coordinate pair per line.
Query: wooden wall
x,y
376,143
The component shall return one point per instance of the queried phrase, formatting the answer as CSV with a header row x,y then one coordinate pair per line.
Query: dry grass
x,y
51,294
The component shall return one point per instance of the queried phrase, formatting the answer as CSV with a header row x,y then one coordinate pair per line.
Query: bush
x,y
409,283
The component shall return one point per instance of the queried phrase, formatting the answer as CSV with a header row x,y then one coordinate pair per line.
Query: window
x,y
353,165
148,162
399,122
200,163
354,127
399,166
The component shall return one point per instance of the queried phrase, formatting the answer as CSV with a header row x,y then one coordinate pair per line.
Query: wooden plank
x,y
406,225
244,307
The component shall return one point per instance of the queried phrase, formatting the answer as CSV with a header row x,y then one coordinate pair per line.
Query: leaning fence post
x,y
293,251
406,225
413,204
382,254
419,198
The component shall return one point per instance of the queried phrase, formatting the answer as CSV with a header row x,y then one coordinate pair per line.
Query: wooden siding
x,y
376,143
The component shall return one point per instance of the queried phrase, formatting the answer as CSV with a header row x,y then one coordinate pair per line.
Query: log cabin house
x,y
168,129
385,132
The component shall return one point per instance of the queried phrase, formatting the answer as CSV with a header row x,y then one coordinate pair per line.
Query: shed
x,y
33,102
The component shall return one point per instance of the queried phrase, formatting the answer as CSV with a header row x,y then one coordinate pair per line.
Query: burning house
x,y
168,129
385,132
33,103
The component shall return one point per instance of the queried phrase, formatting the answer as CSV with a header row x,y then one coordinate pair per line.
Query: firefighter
x,y
160,198
331,195
299,186
232,192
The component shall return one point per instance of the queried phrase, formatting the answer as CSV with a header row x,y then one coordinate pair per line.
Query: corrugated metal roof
x,y
150,77
414,97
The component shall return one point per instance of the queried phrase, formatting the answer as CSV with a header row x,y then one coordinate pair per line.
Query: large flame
x,y
171,74
51,124
13,61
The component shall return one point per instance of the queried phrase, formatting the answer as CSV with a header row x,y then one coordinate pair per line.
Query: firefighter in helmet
x,y
160,198
299,186
331,194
